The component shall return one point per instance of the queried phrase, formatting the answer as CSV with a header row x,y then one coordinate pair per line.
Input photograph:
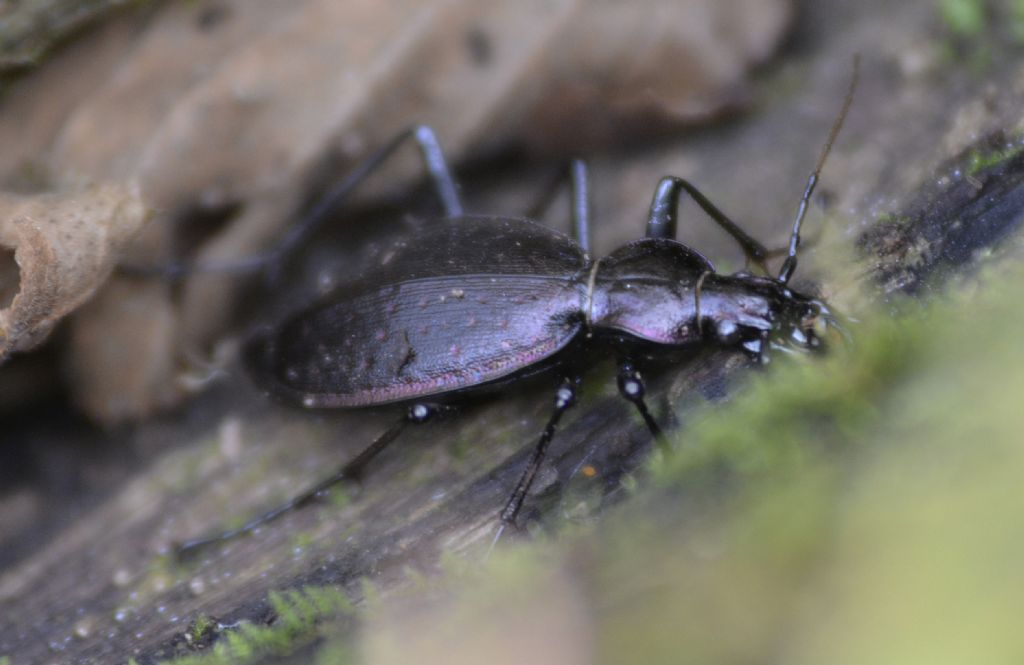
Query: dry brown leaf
x,y
65,245
246,102
30,29
622,70
106,387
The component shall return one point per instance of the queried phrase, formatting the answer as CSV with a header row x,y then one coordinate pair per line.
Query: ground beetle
x,y
473,302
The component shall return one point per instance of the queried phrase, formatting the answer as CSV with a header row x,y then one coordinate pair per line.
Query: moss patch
x,y
965,18
979,161
299,616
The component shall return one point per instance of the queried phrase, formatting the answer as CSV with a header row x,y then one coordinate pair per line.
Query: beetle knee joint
x,y
421,413
631,385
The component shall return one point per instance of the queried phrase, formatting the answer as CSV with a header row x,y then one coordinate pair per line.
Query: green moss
x,y
302,540
804,408
299,615
201,629
980,29
1016,10
965,18
5,660
454,566
162,572
335,652
979,161
339,497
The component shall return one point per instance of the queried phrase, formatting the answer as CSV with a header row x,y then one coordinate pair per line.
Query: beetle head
x,y
804,323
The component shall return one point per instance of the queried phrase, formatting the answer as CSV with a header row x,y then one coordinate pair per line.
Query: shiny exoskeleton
x,y
475,301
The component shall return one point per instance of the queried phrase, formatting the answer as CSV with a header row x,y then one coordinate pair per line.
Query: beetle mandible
x,y
524,298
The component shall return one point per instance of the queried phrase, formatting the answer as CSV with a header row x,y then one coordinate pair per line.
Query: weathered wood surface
x,y
87,578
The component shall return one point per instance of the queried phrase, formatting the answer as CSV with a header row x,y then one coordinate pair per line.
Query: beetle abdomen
x,y
418,338
423,324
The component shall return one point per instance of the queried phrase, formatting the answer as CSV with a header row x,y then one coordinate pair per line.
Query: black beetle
x,y
473,302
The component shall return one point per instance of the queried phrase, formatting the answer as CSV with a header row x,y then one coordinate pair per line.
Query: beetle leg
x,y
433,159
631,387
579,200
350,471
806,241
789,265
762,353
580,203
661,220
565,397
757,348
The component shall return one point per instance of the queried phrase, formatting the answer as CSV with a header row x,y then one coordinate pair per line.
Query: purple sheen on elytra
x,y
455,308
454,379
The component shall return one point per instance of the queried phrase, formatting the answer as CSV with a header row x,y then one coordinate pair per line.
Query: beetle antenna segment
x,y
789,265
350,471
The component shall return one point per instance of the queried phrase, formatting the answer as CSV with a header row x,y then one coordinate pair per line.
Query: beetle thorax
x,y
648,290
661,291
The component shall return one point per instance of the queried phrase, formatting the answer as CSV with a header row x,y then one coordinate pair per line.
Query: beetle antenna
x,y
789,265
